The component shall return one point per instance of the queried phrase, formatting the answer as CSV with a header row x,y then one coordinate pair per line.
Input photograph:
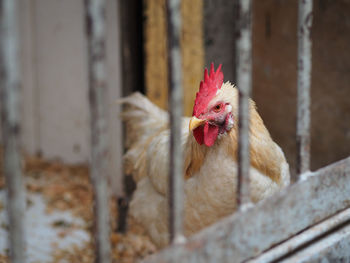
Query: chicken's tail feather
x,y
143,121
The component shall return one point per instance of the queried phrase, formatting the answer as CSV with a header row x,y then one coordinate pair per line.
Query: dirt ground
x,y
67,188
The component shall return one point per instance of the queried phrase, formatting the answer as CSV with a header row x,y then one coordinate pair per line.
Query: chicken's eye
x,y
217,108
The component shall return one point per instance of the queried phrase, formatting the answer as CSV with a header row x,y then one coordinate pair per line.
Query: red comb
x,y
207,89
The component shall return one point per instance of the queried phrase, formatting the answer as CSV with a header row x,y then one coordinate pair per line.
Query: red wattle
x,y
198,134
211,132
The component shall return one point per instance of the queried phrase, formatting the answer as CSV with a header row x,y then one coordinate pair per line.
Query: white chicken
x,y
210,158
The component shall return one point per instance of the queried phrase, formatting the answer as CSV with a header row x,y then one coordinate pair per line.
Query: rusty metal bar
x,y
246,234
304,83
244,83
334,247
95,15
290,247
11,127
175,102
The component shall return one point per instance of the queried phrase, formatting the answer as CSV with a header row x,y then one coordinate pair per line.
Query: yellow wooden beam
x,y
192,49
155,46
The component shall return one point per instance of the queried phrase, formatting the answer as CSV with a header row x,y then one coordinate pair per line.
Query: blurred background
x,y
54,58
55,73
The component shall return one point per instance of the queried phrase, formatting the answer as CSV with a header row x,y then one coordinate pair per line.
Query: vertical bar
x,y
11,128
304,83
175,103
244,83
95,28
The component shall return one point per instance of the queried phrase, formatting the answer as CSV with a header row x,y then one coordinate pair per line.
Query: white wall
x,y
55,87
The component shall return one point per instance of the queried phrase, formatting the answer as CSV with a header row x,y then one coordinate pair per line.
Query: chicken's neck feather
x,y
264,154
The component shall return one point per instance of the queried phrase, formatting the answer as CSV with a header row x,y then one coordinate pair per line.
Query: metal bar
x,y
302,240
244,83
95,29
246,234
304,83
175,102
333,248
11,127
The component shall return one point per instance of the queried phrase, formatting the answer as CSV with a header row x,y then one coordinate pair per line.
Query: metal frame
x,y
95,18
304,241
304,84
244,83
175,102
11,126
306,221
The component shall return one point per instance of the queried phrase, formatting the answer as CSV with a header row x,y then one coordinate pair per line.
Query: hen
x,y
209,140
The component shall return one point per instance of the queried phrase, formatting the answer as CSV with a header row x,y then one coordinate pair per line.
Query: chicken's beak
x,y
195,122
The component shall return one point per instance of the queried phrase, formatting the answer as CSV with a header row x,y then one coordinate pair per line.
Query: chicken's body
x,y
210,172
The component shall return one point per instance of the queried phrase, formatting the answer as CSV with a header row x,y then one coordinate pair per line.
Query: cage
x,y
307,221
